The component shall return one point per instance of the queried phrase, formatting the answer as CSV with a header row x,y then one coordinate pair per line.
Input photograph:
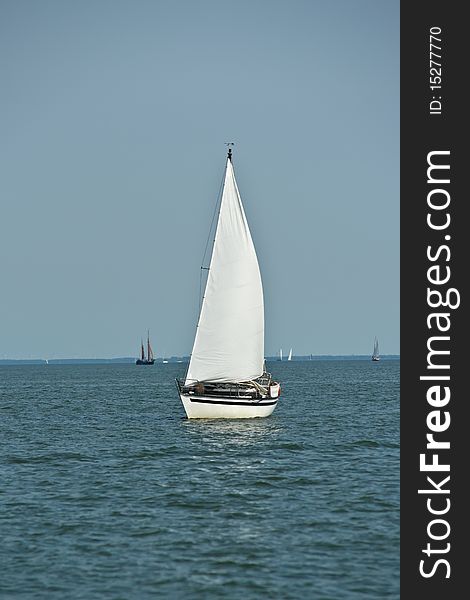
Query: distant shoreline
x,y
178,359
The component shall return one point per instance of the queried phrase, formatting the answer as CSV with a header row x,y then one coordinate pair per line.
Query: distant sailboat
x,y
226,376
290,355
149,360
375,353
280,355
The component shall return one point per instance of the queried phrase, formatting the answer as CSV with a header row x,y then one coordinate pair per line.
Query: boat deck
x,y
256,389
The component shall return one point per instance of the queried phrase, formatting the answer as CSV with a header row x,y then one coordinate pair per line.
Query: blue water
x,y
107,491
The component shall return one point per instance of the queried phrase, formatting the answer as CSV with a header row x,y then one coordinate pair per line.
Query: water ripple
x,y
108,492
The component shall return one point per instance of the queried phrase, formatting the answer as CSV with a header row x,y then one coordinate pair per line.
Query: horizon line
x,y
178,357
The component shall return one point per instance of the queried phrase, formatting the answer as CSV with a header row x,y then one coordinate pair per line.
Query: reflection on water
x,y
228,433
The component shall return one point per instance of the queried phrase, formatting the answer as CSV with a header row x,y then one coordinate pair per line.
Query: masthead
x,y
229,155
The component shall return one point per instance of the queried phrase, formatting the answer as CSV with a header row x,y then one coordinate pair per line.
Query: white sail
x,y
375,353
229,342
290,355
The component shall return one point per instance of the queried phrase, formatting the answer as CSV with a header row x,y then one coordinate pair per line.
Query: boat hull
x,y
144,362
204,407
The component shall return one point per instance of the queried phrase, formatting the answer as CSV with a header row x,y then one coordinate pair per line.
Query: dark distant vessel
x,y
375,353
150,359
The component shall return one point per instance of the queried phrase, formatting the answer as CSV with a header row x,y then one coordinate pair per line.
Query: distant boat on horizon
x,y
290,355
280,355
375,353
149,360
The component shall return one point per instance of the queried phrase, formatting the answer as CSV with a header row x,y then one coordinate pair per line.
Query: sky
x,y
113,123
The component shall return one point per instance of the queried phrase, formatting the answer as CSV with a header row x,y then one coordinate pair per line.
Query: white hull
x,y
204,407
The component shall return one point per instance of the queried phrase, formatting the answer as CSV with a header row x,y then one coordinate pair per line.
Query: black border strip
x,y
423,131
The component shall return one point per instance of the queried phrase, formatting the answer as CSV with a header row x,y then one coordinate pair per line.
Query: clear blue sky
x,y
114,115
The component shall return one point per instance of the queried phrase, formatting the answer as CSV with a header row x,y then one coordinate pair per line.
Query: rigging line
x,y
200,290
219,198
216,211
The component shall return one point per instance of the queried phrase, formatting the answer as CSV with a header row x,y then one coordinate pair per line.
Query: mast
x,y
149,350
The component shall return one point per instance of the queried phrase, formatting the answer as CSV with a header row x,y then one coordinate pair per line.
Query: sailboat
x,y
280,355
290,355
375,353
226,376
149,360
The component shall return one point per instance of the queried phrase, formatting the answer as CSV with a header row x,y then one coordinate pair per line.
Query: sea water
x,y
107,491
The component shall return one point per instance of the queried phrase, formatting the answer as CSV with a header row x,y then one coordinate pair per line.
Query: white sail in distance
x,y
229,341
376,348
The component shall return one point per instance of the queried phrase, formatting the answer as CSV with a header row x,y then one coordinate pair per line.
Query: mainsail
x,y
229,342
